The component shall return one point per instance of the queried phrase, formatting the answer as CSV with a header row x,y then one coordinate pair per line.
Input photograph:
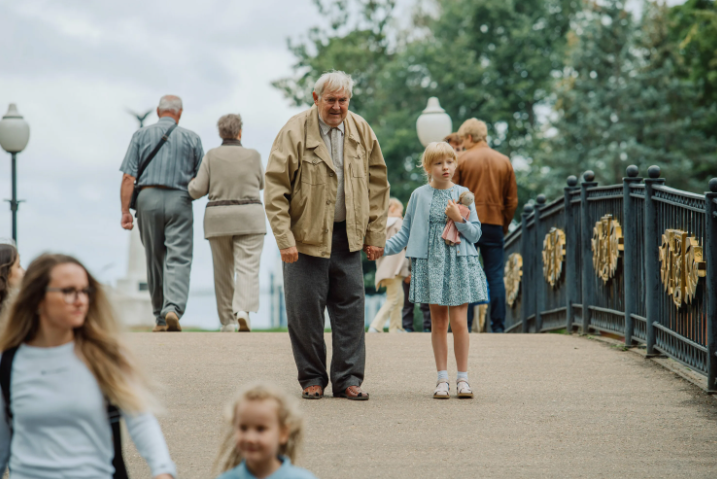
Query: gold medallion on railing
x,y
512,275
607,243
682,265
553,255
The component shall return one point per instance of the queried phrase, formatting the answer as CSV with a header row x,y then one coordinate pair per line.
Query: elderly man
x,y
490,176
327,198
164,207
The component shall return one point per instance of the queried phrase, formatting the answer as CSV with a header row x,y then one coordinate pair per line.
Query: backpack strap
x,y
114,415
5,377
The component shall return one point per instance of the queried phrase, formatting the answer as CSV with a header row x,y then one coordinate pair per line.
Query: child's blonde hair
x,y
435,151
395,203
289,417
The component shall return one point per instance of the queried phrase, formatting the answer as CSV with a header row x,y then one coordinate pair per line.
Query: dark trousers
x,y
407,312
491,250
312,285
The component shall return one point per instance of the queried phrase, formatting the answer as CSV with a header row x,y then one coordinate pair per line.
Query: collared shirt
x,y
175,164
337,156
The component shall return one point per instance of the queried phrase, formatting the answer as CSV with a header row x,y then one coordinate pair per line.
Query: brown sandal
x,y
313,392
354,393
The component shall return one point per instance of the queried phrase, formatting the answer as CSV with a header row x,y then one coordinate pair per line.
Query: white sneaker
x,y
244,321
373,330
229,328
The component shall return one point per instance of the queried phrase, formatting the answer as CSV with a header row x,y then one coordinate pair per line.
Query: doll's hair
x,y
395,203
466,198
288,414
436,151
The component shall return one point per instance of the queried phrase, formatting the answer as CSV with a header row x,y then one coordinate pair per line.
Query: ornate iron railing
x,y
637,260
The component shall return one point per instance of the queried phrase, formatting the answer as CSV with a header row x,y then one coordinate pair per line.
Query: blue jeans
x,y
491,250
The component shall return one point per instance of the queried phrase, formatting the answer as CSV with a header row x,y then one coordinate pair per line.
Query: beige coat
x,y
231,172
388,267
301,186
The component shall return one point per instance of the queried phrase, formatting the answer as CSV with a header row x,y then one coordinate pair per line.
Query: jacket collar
x,y
231,142
167,120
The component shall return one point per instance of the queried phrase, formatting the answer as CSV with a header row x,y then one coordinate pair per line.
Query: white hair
x,y
170,103
334,81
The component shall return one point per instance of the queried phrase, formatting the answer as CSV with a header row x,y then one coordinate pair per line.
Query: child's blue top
x,y
286,471
414,232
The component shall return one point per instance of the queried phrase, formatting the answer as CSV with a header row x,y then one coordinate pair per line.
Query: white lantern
x,y
434,124
14,131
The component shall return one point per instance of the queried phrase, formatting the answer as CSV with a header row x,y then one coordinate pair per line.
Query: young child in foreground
x,y
263,435
447,277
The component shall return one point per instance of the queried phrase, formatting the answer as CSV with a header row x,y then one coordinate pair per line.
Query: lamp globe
x,y
434,124
14,131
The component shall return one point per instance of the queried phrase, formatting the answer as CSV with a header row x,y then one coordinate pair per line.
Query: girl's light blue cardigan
x,y
414,232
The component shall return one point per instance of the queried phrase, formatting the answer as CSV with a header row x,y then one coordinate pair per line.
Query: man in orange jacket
x,y
490,177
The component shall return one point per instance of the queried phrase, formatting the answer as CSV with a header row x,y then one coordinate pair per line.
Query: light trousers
x,y
393,306
236,274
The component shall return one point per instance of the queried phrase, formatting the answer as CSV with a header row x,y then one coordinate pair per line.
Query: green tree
x,y
621,102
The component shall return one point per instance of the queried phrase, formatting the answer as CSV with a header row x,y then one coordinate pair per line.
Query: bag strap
x,y
154,152
114,415
5,376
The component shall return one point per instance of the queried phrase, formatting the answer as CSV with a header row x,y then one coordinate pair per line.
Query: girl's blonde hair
x,y
289,417
434,152
395,203
97,341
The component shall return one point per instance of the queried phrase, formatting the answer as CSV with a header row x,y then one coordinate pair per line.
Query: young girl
x,y
446,277
263,434
390,273
63,362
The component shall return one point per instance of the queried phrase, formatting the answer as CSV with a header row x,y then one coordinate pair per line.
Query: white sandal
x,y
464,389
442,390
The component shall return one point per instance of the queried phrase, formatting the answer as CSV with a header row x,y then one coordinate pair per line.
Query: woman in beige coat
x,y
234,222
390,272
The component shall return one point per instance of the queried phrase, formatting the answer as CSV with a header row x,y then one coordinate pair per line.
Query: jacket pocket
x,y
308,217
313,171
360,196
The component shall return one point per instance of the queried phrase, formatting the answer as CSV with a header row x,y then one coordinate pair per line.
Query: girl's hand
x,y
453,212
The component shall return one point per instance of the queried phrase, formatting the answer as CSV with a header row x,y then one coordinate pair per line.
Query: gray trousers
x,y
313,284
166,222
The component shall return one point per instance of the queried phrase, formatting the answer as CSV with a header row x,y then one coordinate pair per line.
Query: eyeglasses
x,y
71,294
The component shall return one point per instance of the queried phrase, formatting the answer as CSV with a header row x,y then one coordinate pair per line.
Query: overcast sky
x,y
74,67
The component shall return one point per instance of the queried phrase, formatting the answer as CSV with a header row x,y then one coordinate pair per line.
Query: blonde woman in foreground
x,y
64,369
262,438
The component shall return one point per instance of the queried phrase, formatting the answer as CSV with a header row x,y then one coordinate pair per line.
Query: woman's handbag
x,y
137,188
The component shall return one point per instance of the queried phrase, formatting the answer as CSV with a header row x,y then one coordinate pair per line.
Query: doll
x,y
450,233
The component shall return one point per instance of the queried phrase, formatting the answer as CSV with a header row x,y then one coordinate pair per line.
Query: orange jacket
x,y
490,177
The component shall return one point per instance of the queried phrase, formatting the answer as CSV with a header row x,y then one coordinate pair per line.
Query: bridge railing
x,y
636,260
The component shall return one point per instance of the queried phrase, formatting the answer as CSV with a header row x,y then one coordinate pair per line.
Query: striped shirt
x,y
175,164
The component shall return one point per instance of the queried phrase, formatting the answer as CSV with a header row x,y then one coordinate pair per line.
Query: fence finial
x,y
540,199
713,185
589,175
528,208
654,172
572,181
632,171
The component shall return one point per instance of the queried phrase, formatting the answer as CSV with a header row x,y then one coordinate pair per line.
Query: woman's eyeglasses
x,y
71,294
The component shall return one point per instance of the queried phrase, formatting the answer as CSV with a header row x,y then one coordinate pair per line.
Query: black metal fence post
x,y
526,251
571,253
652,257
541,284
711,259
630,263
585,244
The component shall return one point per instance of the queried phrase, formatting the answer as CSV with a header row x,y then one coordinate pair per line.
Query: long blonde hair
x,y
290,418
97,341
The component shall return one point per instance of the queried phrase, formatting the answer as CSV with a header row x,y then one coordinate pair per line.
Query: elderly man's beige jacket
x,y
301,186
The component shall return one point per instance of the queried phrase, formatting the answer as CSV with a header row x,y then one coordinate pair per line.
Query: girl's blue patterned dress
x,y
444,277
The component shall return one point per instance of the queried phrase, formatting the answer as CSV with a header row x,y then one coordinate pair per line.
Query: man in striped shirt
x,y
164,208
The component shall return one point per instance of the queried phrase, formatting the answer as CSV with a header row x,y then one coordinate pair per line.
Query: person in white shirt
x,y
68,364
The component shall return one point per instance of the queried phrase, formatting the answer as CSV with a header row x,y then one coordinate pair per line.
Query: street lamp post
x,y
14,135
434,124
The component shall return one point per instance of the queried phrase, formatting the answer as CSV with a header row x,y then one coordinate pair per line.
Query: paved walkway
x,y
546,406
